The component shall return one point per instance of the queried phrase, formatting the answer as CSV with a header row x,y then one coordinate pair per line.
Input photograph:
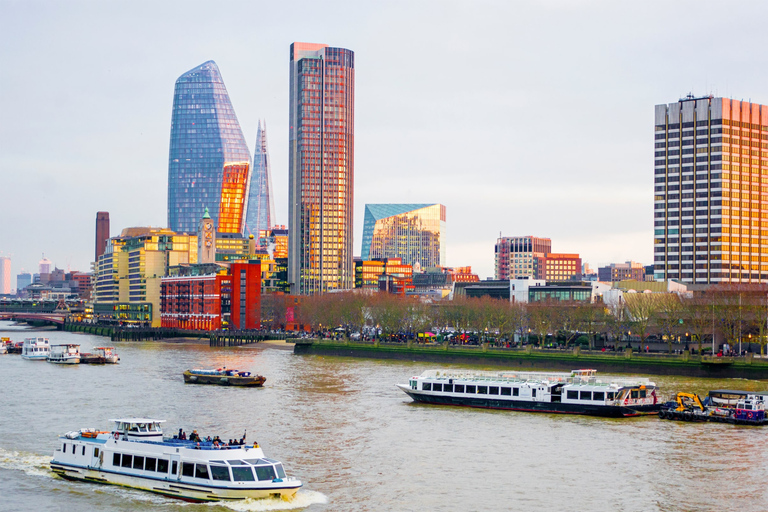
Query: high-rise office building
x,y
711,191
102,233
515,256
415,233
23,280
5,275
205,139
261,210
44,265
321,161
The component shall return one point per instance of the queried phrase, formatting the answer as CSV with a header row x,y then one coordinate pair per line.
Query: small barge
x,y
100,355
577,392
135,454
721,405
223,377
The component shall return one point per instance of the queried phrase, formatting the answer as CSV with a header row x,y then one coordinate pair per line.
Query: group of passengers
x,y
216,441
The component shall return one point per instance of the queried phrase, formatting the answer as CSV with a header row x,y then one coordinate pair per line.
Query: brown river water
x,y
360,444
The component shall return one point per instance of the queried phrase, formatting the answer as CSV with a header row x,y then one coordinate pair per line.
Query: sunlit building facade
x,y
321,163
515,256
5,275
711,191
261,210
415,233
205,137
234,190
557,267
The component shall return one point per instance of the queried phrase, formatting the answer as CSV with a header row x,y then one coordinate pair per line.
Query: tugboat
x,y
65,354
577,392
223,377
135,454
100,355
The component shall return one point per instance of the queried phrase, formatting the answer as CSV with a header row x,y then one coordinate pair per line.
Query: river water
x,y
360,444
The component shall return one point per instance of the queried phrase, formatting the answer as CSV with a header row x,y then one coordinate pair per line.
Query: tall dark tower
x,y
322,168
102,233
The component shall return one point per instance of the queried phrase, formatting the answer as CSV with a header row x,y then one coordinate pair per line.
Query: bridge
x,y
56,318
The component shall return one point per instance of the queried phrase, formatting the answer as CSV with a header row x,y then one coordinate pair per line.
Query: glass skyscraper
x,y
205,137
260,205
321,182
412,232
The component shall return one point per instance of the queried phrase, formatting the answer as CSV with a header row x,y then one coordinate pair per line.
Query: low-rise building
x,y
621,271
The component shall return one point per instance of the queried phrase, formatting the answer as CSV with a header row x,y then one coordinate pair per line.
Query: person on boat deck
x,y
180,432
194,437
208,439
216,445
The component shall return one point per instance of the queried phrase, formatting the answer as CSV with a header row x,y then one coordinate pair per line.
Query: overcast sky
x,y
523,118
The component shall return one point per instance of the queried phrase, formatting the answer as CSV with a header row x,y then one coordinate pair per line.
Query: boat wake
x,y
30,463
302,499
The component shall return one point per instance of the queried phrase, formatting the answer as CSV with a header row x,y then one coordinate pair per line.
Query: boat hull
x,y
64,360
224,380
93,359
42,357
607,411
191,492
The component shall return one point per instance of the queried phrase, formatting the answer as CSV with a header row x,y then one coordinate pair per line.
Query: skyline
x,y
530,119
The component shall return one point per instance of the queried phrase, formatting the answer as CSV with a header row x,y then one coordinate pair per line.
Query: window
x,y
187,469
95,452
150,464
138,462
515,391
459,388
162,466
265,473
471,389
506,391
280,472
598,395
83,449
437,387
426,386
220,473
642,393
242,473
611,395
533,393
116,459
201,471
482,390
585,395
447,388
493,390
127,461
572,395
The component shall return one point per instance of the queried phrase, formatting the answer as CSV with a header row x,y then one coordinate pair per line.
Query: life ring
x,y
117,436
749,415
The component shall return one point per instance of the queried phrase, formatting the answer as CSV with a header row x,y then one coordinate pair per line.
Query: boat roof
x,y
575,377
737,392
66,345
137,420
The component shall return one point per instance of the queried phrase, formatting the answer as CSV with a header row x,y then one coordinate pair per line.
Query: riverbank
x,y
530,357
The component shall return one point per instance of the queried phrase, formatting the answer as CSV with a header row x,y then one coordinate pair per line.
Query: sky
x,y
522,118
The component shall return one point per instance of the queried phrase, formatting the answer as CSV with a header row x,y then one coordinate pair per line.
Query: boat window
x,y
201,471
64,447
426,386
235,462
437,387
611,395
253,461
598,395
493,390
748,407
533,392
572,395
242,474
506,391
642,393
162,466
585,395
219,461
150,463
143,427
134,428
83,449
220,473
448,388
515,391
280,471
459,388
127,461
265,472
471,389
115,459
187,469
482,390
95,452
138,462
635,393
174,467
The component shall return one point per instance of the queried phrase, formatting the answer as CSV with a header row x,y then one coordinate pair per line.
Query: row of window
x,y
480,390
590,395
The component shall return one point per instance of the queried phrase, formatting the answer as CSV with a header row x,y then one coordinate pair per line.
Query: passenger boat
x,y
577,392
36,349
135,454
4,344
65,354
100,355
223,377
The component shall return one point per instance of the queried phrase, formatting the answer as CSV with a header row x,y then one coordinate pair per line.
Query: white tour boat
x,y
135,454
577,392
65,354
36,349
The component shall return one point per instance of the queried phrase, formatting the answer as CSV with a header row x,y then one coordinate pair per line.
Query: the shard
x,y
206,139
260,206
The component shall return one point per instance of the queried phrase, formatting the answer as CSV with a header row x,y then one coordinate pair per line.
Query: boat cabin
x,y
139,429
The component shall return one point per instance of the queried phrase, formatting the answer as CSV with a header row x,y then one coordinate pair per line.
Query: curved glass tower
x,y
205,138
260,206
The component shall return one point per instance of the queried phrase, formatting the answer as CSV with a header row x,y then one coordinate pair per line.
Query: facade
x,y
128,274
557,267
621,272
5,275
275,240
322,165
515,256
386,274
45,267
22,281
711,191
205,138
234,192
102,233
261,210
415,233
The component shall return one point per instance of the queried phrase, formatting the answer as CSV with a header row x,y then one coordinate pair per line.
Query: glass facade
x,y
260,206
321,162
711,191
205,136
415,233
234,187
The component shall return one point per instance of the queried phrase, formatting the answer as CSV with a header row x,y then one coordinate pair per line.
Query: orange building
x,y
234,185
557,267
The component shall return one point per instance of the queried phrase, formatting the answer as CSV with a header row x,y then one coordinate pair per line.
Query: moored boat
x,y
68,353
100,355
223,377
577,392
36,349
4,344
15,348
135,454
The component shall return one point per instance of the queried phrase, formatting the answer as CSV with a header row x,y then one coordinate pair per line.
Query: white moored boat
x,y
135,454
36,349
65,354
